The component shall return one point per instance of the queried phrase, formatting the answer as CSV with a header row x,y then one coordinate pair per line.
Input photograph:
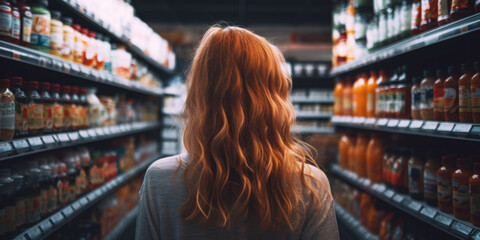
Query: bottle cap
x,y
5,83
91,34
56,14
45,86
452,69
84,31
67,20
441,72
466,66
82,91
449,159
55,87
76,27
476,66
428,73
74,90
65,89
30,84
15,81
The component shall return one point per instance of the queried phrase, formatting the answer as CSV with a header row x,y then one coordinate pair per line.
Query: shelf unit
x,y
313,115
346,220
73,8
448,130
312,100
312,130
127,222
32,145
44,61
49,225
446,223
440,34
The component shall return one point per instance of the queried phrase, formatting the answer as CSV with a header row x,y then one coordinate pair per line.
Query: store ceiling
x,y
238,12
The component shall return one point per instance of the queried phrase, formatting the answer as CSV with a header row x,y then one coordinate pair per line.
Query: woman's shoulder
x,y
317,177
166,166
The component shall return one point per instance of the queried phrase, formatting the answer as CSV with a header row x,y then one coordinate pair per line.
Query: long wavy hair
x,y
244,163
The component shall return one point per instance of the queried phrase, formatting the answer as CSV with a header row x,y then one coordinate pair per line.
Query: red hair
x,y
244,163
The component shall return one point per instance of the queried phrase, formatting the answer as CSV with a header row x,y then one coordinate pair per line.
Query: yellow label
x,y
35,116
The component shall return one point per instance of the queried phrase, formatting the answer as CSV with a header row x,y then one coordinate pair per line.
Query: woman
x,y
245,176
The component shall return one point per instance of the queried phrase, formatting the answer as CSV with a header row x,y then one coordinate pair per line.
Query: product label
x,y
66,192
416,99
426,97
7,115
67,115
400,101
78,48
429,184
414,178
52,199
391,102
416,15
464,102
86,120
461,198
476,98
444,189
347,104
43,201
21,116
68,42
27,27
459,4
57,116
16,25
47,116
75,117
35,116
438,94
378,102
442,9
475,201
20,212
6,20
429,11
449,98
10,223
370,101
56,37
32,206
40,30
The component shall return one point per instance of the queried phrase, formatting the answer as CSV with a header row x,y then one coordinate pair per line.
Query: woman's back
x,y
164,191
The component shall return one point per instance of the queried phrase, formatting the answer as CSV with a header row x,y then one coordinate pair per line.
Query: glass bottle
x,y
76,108
429,15
7,111
430,179
426,95
20,194
47,107
9,204
451,95
464,94
35,108
16,24
460,9
57,125
84,103
21,107
33,190
443,11
438,94
444,183
40,37
68,43
461,198
6,19
416,17
67,108
403,96
476,93
25,22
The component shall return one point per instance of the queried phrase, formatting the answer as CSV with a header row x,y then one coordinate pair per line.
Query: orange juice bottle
x,y
371,88
360,156
343,146
351,155
444,183
360,96
337,94
474,185
461,198
347,98
374,159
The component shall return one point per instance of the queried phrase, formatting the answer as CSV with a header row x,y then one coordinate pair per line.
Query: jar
x,y
464,93
451,95
58,120
21,107
443,11
6,19
47,107
67,108
444,183
56,34
416,17
415,175
426,95
460,9
438,93
40,37
7,111
25,23
15,22
476,93
90,52
68,43
100,56
460,178
107,53
35,108
430,179
78,44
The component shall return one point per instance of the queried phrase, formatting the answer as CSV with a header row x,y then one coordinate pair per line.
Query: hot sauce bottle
x,y
460,178
464,93
58,120
460,9
438,93
429,14
444,183
475,97
474,187
426,91
403,96
443,11
47,107
451,95
35,108
430,179
416,98
67,108
416,17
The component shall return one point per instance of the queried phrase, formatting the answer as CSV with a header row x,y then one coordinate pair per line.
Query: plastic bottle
x,y
72,178
57,125
415,175
6,19
391,95
68,43
371,89
84,103
67,108
451,95
20,194
374,158
56,34
386,166
474,189
430,179
49,189
100,54
360,96
62,184
76,109
40,37
464,94
426,91
403,96
416,98
443,11
429,15
400,171
351,155
475,97
460,178
460,9
33,190
35,108
107,52
444,183
8,192
347,98
47,107
7,111
78,44
337,94
438,93
90,52
360,155
16,22
21,105
406,18
416,17
25,23
380,96
343,146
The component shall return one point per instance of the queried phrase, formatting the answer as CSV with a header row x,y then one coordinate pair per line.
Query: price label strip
x,y
416,124
445,127
21,145
5,148
48,139
404,123
35,142
444,220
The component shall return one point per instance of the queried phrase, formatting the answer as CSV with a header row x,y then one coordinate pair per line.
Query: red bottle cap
x,y
91,34
76,27
30,84
84,31
74,90
45,86
55,87
82,91
4,83
16,81
65,89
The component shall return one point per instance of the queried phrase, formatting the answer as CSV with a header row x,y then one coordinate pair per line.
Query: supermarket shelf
x,y
32,145
172,112
122,226
106,29
312,130
346,220
313,115
452,30
311,100
448,130
49,225
49,62
446,223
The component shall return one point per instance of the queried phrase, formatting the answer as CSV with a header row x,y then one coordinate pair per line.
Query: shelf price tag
x,y
382,122
35,142
389,193
45,225
462,128
462,228
445,127
67,211
398,198
83,134
75,68
475,131
92,133
76,205
48,139
415,124
403,123
66,67
63,137
6,147
84,201
21,145
107,131
73,136
428,212
34,232
392,123
415,206
99,132
429,125
447,221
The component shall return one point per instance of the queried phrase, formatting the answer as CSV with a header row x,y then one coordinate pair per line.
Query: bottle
x,y
7,111
444,183
20,194
351,155
430,179
460,178
100,56
360,96
371,89
57,124
443,11
416,98
33,190
400,171
451,95
62,184
406,18
68,43
44,188
386,167
15,22
21,106
67,108
475,97
25,23
343,146
403,96
415,175
380,94
56,34
416,17
48,187
72,179
391,94
107,53
6,19
9,204
426,92
460,9
47,107
360,157
78,44
374,157
90,52
40,37
474,189
337,94
347,98
438,93
77,109
84,103
464,94
35,108
429,15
